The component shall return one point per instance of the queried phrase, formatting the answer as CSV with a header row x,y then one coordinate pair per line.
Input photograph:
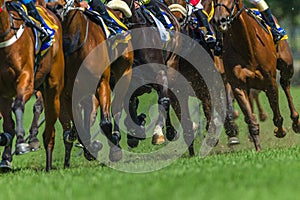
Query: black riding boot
x,y
209,35
98,6
277,33
153,6
46,32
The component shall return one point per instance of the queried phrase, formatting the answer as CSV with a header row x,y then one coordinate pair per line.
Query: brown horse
x,y
81,37
150,37
250,61
18,80
180,10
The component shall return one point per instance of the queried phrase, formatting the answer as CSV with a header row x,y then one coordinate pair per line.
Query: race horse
x,y
180,9
19,77
149,51
82,37
250,61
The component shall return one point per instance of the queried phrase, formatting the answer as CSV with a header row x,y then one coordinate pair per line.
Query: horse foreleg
x,y
24,92
9,133
250,118
37,110
231,128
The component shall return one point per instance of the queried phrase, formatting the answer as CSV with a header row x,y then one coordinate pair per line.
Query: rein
x,y
232,15
17,31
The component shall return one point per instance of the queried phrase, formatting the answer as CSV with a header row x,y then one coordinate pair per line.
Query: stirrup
x,y
47,37
278,34
210,40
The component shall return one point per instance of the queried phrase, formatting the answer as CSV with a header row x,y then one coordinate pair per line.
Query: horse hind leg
x,y
272,94
37,110
8,135
286,74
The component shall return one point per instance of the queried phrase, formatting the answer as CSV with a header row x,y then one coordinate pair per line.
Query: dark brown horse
x,y
82,38
250,61
18,80
152,56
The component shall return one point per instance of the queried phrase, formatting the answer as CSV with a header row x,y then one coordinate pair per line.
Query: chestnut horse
x,y
250,61
18,80
149,37
81,36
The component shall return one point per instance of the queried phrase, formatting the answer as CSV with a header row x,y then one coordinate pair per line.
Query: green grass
x,y
239,173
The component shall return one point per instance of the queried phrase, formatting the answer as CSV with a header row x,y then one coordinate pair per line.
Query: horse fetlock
x,y
296,124
278,121
171,133
70,136
5,139
115,138
165,102
106,127
18,105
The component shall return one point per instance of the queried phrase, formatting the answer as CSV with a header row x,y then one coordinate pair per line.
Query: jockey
x,y
46,32
263,7
153,6
202,18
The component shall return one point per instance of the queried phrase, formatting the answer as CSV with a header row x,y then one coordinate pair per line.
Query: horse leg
x,y
272,94
262,115
8,135
136,131
115,153
231,128
37,110
253,127
68,136
52,110
24,92
286,73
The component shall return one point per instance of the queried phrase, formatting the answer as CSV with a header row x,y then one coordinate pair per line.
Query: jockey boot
x,y
153,6
209,35
277,33
100,8
46,32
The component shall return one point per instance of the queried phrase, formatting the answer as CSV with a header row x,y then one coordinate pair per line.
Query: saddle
x,y
114,29
255,14
148,16
35,25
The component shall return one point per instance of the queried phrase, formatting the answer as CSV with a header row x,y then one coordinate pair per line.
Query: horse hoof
x,y
88,155
172,134
296,126
34,144
235,114
233,141
5,166
158,139
280,133
263,117
91,153
132,142
22,148
115,154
